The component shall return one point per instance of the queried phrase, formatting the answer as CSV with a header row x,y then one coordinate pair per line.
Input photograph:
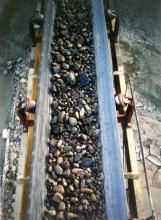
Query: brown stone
x,y
77,170
58,197
50,169
93,197
59,188
60,59
61,116
66,173
86,190
57,153
59,160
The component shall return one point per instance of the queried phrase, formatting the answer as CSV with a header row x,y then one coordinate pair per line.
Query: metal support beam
x,y
116,206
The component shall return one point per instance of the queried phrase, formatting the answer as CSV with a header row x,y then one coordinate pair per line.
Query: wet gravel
x,y
74,166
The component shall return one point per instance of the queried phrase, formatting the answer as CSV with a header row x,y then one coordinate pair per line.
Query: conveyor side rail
x,y
116,206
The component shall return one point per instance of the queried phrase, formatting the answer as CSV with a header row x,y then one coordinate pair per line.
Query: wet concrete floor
x,y
14,42
140,32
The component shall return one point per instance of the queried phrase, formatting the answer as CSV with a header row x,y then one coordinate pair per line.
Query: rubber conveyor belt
x,y
116,207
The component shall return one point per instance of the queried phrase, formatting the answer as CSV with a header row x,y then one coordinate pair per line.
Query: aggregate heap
x,y
74,166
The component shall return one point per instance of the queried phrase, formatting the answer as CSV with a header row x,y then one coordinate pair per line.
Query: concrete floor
x,y
4,106
14,41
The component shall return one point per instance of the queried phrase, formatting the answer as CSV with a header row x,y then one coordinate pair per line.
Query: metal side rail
x,y
37,180
116,206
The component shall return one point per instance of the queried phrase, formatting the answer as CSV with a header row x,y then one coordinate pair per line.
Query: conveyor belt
x,y
114,187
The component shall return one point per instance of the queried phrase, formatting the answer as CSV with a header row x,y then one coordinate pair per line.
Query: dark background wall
x,y
14,31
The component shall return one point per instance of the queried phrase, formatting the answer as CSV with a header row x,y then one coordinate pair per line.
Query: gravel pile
x,y
74,165
19,73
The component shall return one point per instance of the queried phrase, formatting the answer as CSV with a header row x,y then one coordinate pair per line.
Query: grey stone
x,y
80,208
51,213
58,170
56,69
64,33
77,157
83,48
83,102
53,142
81,113
91,149
83,183
57,129
71,188
60,42
76,183
54,176
78,149
83,79
62,206
19,60
60,216
64,182
14,168
74,130
61,82
68,148
9,67
70,78
87,162
83,137
73,121
87,108
76,66
60,142
66,164
55,105
65,66
66,173
9,63
79,45
74,200
66,52
54,120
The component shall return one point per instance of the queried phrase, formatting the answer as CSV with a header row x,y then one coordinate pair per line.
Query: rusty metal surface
x,y
41,130
116,207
